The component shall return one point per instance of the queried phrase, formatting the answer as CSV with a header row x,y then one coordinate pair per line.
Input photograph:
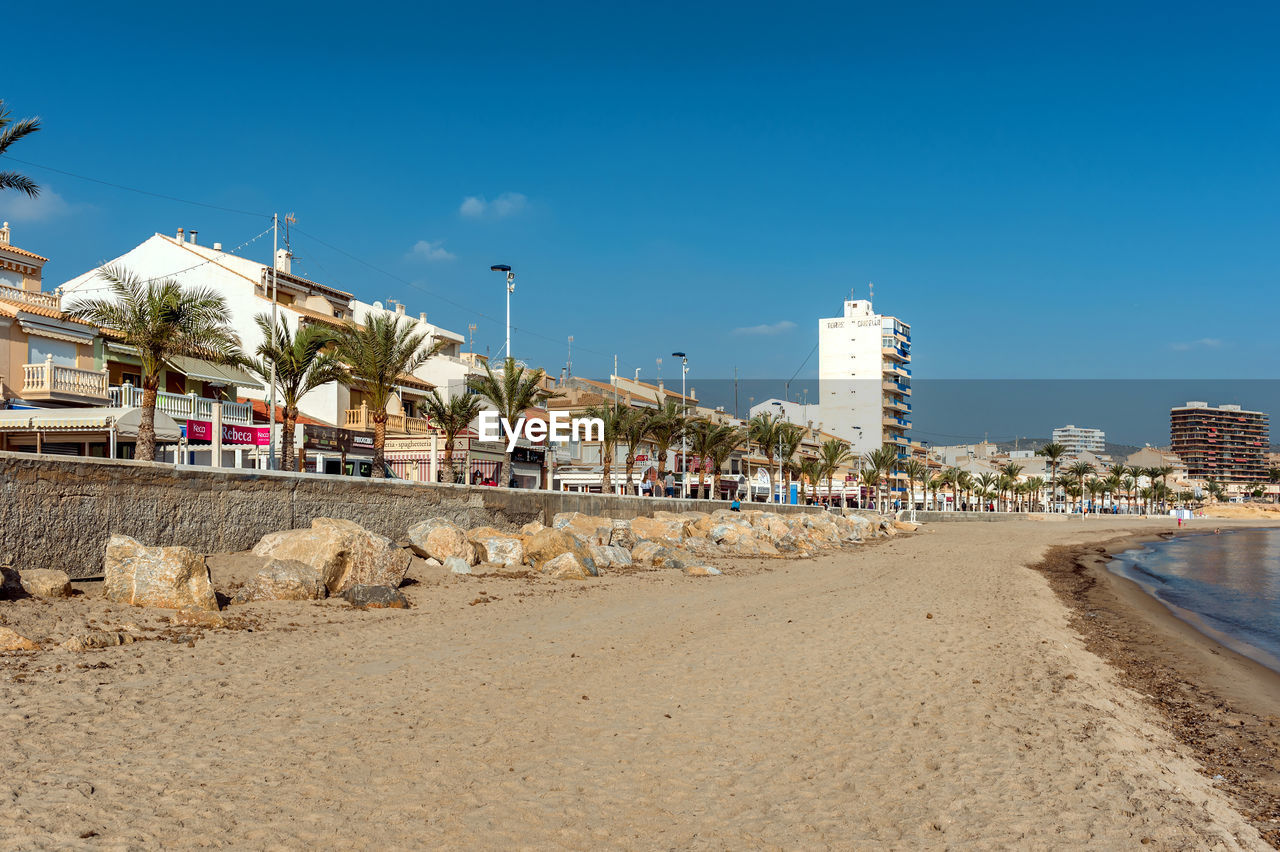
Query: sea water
x,y
1227,585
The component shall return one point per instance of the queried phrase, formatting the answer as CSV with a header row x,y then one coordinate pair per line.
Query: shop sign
x,y
202,430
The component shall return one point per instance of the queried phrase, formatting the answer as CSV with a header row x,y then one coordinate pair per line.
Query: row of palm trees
x,y
162,319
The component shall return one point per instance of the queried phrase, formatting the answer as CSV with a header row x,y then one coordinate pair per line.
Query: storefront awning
x,y
206,371
124,420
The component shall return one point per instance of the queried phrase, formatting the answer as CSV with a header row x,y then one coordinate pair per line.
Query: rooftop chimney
x,y
399,309
4,239
422,317
217,246
182,235
284,261
193,236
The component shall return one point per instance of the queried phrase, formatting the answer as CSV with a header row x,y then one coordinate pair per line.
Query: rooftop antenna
x,y
289,219
659,369
568,367
871,291
471,329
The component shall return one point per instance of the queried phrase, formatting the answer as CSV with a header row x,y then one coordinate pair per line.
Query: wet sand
x,y
1224,706
928,691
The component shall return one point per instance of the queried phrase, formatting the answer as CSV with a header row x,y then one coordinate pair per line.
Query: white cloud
x,y
428,250
506,204
1202,343
45,207
781,327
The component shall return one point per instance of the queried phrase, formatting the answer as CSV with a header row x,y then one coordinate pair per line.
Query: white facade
x,y
801,414
864,377
1080,440
245,285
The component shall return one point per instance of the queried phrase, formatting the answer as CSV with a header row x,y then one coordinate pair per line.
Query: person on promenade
x,y
735,506
670,484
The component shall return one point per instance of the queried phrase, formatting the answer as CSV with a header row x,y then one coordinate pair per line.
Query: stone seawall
x,y
57,512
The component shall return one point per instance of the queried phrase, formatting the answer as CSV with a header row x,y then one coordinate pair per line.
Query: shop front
x,y
337,452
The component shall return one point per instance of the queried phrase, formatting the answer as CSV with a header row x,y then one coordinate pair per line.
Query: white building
x,y
1080,440
802,414
247,287
864,377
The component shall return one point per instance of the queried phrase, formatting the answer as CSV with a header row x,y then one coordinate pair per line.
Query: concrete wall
x,y
57,512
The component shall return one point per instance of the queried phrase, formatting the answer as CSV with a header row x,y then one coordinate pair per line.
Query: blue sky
x,y
1082,191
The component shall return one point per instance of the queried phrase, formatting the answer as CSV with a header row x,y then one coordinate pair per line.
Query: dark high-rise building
x,y
1225,443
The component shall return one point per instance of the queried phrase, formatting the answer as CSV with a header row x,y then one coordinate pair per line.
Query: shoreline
x,y
1221,704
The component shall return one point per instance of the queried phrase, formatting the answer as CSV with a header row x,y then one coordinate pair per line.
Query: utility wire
x,y
135,189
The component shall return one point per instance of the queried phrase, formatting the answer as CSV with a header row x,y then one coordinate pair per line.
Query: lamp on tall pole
x,y
684,440
511,287
782,413
271,414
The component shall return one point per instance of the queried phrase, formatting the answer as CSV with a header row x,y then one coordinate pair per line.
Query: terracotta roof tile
x,y
23,253
12,309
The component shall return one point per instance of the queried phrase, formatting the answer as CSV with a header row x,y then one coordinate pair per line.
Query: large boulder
x,y
364,596
532,527
669,529
590,528
34,582
621,535
283,580
342,553
610,556
567,566
168,577
702,571
13,641
506,550
656,554
439,538
545,545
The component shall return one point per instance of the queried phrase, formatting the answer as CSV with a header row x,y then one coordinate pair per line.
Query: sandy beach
x,y
925,691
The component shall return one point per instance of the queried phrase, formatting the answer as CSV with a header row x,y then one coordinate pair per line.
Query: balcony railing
x,y
185,406
50,380
31,297
362,419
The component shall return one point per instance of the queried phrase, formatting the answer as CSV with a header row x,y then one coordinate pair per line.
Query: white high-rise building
x,y
1081,440
864,377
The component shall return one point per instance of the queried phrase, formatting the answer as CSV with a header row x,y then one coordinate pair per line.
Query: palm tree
x,y
515,390
1080,470
986,481
951,476
1035,485
884,461
1163,472
378,353
1096,488
1113,484
833,454
763,430
1273,478
1131,491
667,427
811,469
916,472
160,319
1054,452
633,430
790,438
11,131
932,484
452,417
727,439
299,365
612,415
1012,470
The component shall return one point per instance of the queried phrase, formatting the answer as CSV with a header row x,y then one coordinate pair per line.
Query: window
x,y
39,349
11,278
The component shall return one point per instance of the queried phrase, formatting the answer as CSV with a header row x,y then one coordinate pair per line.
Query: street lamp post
x,y
782,413
511,287
684,441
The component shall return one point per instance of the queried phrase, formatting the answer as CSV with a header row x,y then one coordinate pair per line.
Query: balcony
x,y
185,406
55,383
896,422
361,419
31,297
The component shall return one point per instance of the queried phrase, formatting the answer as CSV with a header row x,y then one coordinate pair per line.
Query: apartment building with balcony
x,y
1079,439
864,377
250,288
47,358
1225,443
